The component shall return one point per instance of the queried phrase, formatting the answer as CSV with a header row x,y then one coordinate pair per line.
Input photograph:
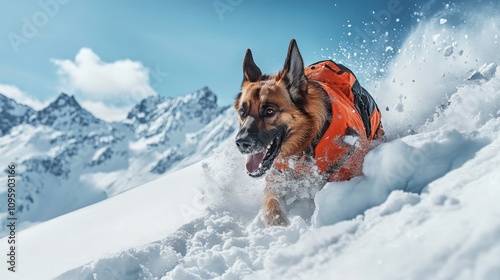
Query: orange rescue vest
x,y
355,120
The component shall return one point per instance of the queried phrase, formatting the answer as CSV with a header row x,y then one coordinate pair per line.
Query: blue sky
x,y
184,45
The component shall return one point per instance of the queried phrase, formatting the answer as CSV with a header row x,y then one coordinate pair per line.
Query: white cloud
x,y
19,96
100,85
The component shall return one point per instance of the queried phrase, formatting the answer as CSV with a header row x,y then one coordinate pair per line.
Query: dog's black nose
x,y
244,143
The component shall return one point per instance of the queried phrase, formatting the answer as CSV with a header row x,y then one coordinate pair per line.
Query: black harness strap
x,y
363,101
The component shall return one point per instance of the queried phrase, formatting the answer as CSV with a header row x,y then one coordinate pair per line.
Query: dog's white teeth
x,y
269,146
260,165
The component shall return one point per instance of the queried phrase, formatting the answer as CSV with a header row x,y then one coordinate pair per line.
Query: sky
x,y
111,54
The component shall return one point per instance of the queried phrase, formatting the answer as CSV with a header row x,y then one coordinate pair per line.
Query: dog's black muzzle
x,y
249,142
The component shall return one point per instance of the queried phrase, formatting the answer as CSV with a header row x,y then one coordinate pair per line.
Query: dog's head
x,y
272,112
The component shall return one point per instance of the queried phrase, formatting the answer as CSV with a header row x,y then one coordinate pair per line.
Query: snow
x,y
425,208
448,51
435,155
134,218
12,113
488,70
418,69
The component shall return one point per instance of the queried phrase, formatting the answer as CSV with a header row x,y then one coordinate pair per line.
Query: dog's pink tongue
x,y
253,161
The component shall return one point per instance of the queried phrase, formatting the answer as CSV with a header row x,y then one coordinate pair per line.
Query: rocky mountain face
x,y
66,158
12,114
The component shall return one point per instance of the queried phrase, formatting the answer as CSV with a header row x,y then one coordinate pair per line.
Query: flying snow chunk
x,y
400,107
485,72
442,21
476,75
488,70
436,37
448,51
351,140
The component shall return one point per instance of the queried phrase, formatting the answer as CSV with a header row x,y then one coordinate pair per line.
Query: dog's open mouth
x,y
258,163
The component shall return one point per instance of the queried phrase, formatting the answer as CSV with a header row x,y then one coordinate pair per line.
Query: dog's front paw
x,y
273,215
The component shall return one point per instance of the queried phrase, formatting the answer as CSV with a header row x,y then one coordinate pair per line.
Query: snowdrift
x,y
426,208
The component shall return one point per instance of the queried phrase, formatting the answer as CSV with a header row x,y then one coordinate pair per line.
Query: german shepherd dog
x,y
292,127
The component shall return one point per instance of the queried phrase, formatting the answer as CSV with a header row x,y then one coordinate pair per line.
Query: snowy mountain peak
x,y
140,112
204,96
163,117
149,107
64,100
63,113
12,113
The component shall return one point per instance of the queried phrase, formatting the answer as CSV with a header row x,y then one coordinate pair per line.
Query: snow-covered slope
x,y
67,158
133,218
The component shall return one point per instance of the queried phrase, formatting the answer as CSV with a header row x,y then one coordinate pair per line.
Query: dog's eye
x,y
270,112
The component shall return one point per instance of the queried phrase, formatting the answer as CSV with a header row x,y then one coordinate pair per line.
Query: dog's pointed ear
x,y
251,72
293,74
